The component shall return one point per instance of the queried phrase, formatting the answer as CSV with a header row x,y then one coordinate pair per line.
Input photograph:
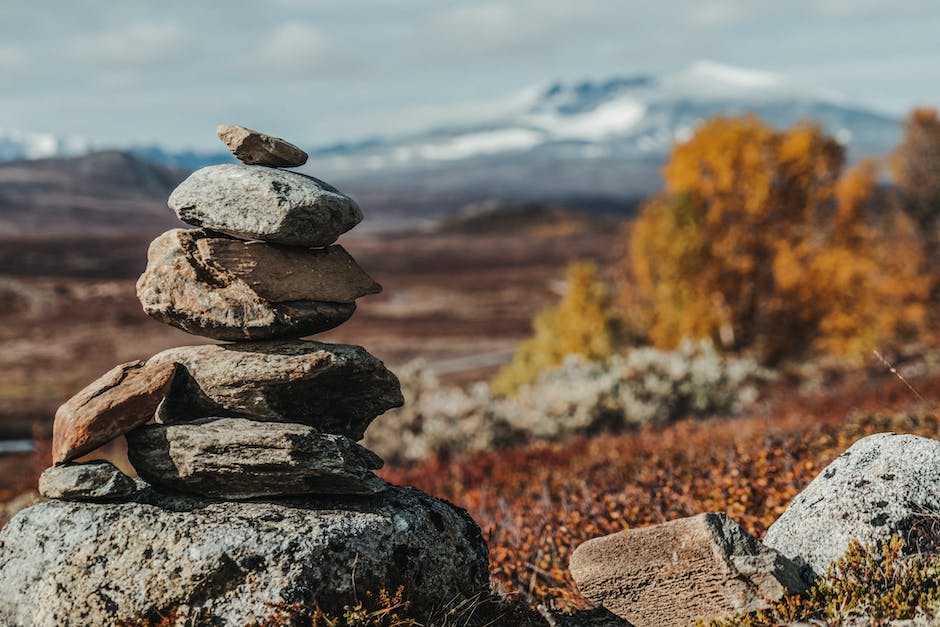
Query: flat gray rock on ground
x,y
883,484
336,388
228,289
122,399
701,567
256,148
273,205
235,458
230,563
87,481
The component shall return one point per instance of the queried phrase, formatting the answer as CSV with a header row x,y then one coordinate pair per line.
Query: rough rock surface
x,y
244,296
285,274
883,484
123,398
88,481
255,148
336,388
700,567
235,458
273,205
230,563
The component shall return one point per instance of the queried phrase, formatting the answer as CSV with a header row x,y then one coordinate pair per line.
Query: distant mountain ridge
x,y
606,138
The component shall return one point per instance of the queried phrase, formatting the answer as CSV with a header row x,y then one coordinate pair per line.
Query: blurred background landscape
x,y
696,236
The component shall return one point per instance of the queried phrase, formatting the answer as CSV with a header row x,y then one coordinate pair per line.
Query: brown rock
x,y
251,291
282,274
120,400
702,567
256,148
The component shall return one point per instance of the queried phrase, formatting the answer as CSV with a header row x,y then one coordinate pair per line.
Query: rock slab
x,y
228,289
96,481
235,458
335,388
701,567
273,205
230,563
883,484
122,399
256,148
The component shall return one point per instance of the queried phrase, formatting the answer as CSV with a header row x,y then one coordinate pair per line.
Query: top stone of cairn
x,y
255,148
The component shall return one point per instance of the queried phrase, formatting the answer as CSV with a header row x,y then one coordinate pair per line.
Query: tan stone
x,y
702,567
282,274
185,285
256,148
122,399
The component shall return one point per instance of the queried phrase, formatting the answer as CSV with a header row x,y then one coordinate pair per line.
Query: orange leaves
x,y
760,243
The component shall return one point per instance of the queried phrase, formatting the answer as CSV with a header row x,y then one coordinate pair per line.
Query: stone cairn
x,y
254,496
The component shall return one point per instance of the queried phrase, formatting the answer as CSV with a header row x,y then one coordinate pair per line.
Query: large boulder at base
x,y
882,485
122,399
228,289
701,567
256,148
96,481
235,458
230,563
273,205
336,388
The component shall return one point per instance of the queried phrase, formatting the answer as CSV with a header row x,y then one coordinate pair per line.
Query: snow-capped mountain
x,y
17,145
628,118
590,138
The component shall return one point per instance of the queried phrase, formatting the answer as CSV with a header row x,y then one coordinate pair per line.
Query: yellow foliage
x,y
580,324
759,242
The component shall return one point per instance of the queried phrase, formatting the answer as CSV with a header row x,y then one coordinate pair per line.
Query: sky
x,y
320,71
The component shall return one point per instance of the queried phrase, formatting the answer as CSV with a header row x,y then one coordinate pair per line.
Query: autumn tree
x,y
582,323
758,242
915,165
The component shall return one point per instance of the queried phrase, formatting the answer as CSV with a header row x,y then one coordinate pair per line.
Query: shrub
x,y
582,323
876,582
579,397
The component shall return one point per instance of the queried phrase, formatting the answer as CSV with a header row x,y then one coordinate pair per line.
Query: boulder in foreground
x,y
230,563
122,399
701,567
273,205
336,388
882,485
235,458
95,481
256,148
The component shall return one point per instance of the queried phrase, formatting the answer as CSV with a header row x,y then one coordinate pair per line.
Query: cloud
x,y
301,49
142,43
12,58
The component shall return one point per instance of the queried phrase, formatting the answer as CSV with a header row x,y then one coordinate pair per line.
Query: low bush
x,y
874,583
645,386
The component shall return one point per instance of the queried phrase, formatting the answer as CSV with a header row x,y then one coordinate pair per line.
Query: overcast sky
x,y
314,71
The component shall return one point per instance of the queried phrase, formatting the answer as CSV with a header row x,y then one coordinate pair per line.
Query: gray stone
x,y
235,458
883,484
336,388
273,205
228,289
231,563
121,399
87,481
256,148
701,567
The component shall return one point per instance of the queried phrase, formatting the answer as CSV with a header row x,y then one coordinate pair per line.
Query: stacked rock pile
x,y
254,492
